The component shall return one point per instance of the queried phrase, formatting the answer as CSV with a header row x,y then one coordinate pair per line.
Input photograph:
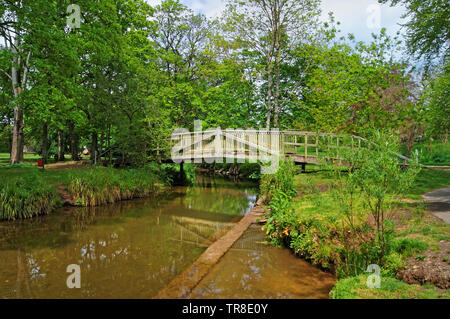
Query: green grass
x,y
28,157
31,158
99,186
428,180
433,153
390,288
313,224
26,196
28,191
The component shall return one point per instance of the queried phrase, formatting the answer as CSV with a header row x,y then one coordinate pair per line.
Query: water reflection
x,y
128,250
252,269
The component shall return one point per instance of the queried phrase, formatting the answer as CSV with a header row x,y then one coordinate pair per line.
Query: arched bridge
x,y
239,146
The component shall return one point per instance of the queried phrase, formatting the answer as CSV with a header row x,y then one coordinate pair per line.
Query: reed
x,y
26,197
99,186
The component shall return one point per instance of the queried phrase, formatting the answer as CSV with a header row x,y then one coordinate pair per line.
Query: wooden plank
x,y
306,145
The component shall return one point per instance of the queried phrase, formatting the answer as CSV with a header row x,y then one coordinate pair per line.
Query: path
x,y
439,203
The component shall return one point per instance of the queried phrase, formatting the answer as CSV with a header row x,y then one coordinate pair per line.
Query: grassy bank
x,y
26,197
27,191
323,221
99,186
356,288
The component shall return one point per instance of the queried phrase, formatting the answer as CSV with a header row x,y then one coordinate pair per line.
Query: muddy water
x,y
252,269
128,250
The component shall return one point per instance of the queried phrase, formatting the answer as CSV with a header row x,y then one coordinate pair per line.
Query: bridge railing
x,y
303,147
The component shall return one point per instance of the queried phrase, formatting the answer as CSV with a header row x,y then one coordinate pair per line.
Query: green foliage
x,y
26,197
376,175
282,181
427,26
391,288
170,174
98,186
281,219
437,99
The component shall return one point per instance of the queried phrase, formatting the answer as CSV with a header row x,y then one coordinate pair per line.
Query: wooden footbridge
x,y
231,146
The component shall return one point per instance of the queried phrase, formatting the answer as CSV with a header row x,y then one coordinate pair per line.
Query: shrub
x,y
282,181
374,174
170,174
281,219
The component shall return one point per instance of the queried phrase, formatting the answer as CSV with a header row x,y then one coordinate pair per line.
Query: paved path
x,y
439,203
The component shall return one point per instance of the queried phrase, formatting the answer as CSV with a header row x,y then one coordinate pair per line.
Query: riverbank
x,y
129,249
311,222
28,191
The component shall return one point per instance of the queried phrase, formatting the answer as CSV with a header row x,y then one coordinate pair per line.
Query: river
x,y
133,249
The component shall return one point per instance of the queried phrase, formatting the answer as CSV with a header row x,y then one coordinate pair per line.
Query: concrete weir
x,y
182,285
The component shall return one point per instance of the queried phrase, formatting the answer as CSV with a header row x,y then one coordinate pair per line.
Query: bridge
x,y
231,146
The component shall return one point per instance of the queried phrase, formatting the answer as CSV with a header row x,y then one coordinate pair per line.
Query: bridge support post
x,y
303,167
182,175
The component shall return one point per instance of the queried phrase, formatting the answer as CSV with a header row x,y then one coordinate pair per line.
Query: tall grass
x,y
26,197
282,181
98,186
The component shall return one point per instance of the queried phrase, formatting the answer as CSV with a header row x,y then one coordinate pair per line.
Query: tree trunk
x,y
45,142
277,64
17,140
73,142
18,82
94,145
60,146
269,62
109,144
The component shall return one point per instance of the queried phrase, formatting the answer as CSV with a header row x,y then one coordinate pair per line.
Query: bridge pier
x,y
182,175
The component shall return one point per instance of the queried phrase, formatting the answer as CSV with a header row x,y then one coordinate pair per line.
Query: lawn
x,y
29,158
317,215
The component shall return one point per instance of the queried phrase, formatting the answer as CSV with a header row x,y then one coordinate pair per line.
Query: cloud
x,y
210,8
353,14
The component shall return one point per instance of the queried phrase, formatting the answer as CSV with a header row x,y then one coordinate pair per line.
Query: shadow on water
x,y
131,249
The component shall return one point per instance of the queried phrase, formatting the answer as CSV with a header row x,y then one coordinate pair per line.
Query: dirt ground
x,y
434,265
433,269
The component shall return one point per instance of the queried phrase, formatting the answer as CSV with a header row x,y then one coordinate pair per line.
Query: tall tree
x,y
428,27
269,28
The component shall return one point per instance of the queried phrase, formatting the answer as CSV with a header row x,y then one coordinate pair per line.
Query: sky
x,y
358,17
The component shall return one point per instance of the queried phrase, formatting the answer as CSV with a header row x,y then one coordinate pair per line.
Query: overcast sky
x,y
353,14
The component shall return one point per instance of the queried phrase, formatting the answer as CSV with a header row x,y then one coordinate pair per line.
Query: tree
x,y
428,30
437,103
267,28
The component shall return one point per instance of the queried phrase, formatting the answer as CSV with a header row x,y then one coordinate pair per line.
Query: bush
x,y
26,197
282,181
281,220
170,174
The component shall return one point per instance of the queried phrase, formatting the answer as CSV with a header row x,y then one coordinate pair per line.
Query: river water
x,y
133,249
